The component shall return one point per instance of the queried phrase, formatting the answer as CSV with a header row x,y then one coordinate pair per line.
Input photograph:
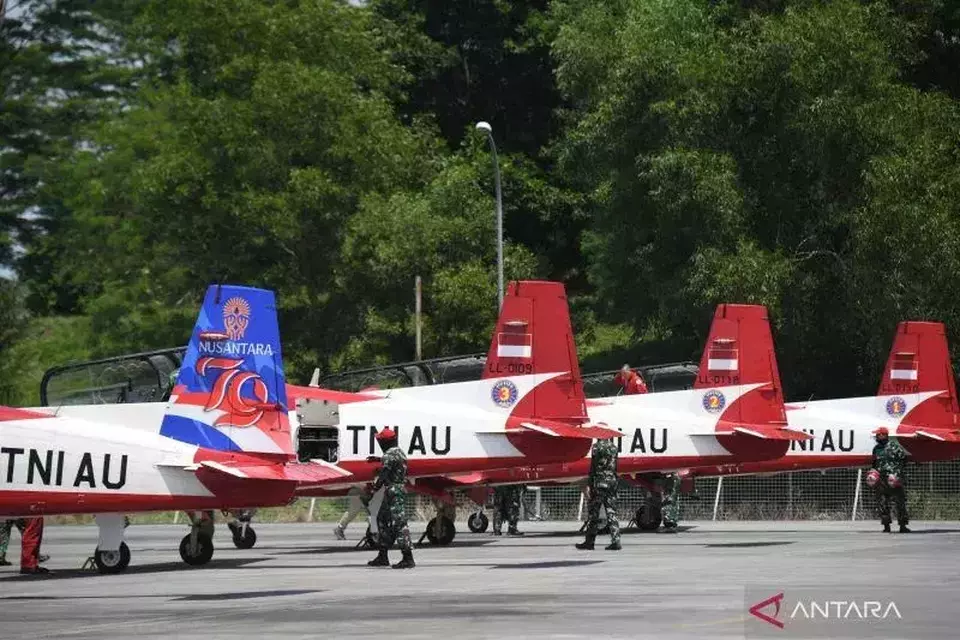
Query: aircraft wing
x,y
764,432
561,430
312,472
465,478
555,429
940,435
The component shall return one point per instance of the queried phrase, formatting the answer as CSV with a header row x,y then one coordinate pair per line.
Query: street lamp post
x,y
485,126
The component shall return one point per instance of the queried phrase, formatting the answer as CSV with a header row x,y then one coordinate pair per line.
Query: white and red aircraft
x,y
223,444
224,439
916,401
734,415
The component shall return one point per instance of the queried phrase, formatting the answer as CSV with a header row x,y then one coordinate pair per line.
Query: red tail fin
x,y
919,362
739,351
534,336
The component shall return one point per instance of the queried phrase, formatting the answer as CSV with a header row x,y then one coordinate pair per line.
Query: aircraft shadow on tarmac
x,y
548,564
163,567
913,532
318,550
735,545
571,533
192,597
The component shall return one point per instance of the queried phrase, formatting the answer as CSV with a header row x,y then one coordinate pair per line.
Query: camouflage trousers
x,y
392,519
884,493
670,504
607,498
5,528
506,506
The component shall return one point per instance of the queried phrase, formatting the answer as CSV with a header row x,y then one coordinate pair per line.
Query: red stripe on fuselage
x,y
32,503
11,413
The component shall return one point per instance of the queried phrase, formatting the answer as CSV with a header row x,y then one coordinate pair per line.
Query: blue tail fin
x,y
230,393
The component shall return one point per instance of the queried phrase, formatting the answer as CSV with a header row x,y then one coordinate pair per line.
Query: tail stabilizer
x,y
918,385
740,352
230,393
534,336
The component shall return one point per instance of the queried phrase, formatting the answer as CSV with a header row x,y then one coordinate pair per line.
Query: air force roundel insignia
x,y
896,406
713,401
504,393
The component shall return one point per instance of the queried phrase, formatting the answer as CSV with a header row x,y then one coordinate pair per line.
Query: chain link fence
x,y
933,493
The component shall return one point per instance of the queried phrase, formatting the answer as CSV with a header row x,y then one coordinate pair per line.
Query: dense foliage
x,y
658,156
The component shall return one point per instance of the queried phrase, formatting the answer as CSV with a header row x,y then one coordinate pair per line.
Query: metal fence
x,y
933,493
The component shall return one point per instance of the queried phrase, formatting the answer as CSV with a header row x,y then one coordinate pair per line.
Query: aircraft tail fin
x,y
534,336
919,363
740,352
230,394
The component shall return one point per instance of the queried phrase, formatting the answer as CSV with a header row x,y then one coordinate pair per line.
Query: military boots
x,y
587,545
407,562
381,560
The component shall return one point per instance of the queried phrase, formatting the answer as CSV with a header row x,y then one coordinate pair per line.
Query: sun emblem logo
x,y
713,401
896,406
504,393
236,317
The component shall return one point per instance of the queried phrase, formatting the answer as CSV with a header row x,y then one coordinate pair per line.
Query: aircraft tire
x,y
448,531
478,522
648,517
247,541
109,562
203,553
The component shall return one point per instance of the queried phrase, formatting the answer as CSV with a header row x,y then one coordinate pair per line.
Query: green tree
x,y
739,155
471,61
63,65
444,232
246,165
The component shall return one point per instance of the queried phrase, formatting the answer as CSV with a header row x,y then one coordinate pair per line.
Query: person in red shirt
x,y
631,381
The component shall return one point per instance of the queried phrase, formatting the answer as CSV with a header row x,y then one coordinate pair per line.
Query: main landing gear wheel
x,y
648,516
444,536
243,540
478,522
199,555
112,561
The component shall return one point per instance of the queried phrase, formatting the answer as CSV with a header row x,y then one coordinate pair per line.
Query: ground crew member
x,y
31,536
889,460
631,381
171,382
5,528
670,504
506,506
392,517
603,485
359,501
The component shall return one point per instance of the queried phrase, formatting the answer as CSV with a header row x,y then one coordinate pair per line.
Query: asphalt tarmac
x,y
299,582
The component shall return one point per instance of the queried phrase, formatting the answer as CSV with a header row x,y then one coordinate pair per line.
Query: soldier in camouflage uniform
x,y
171,382
5,528
392,517
506,506
603,483
670,505
889,459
